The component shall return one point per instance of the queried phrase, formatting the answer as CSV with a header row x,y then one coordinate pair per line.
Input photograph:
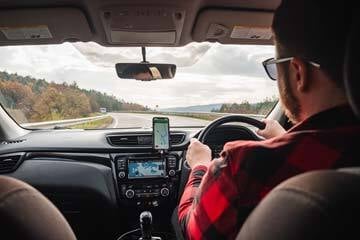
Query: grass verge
x,y
100,123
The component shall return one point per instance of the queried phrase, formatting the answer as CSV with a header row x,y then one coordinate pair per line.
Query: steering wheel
x,y
226,119
220,121
208,130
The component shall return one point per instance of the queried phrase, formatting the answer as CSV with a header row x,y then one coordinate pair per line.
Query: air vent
x,y
123,140
12,142
9,162
177,138
142,140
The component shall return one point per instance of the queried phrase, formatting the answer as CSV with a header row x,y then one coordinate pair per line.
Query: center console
x,y
148,176
147,179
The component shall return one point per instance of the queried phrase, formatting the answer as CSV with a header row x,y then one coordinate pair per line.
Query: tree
x,y
49,105
17,95
77,104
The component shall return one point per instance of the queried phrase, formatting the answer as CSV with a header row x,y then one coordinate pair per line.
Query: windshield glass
x,y
74,85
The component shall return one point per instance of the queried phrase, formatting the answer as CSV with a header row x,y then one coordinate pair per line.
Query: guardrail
x,y
200,115
62,123
215,114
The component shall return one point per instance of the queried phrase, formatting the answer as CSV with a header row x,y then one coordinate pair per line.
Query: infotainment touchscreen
x,y
146,169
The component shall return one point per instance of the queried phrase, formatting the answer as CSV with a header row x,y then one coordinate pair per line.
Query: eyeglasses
x,y
270,66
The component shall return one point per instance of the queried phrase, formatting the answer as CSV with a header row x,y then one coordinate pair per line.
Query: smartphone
x,y
161,133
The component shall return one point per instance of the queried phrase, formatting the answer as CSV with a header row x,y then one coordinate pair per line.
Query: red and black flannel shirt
x,y
217,199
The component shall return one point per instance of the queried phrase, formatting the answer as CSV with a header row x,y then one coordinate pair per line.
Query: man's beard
x,y
288,99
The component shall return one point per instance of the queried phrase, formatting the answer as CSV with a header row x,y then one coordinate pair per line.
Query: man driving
x,y
310,40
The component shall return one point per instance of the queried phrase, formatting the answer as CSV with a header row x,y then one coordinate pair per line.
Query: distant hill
x,y
262,107
196,108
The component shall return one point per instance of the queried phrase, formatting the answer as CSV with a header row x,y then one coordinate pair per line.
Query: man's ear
x,y
300,73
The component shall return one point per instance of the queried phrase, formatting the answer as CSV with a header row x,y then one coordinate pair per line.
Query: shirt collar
x,y
340,116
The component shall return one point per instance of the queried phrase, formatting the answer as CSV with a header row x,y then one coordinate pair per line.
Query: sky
x,y
207,73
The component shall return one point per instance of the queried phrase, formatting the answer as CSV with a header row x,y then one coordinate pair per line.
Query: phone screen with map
x,y
161,135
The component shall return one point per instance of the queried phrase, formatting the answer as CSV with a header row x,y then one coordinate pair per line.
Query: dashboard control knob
x,y
129,193
121,174
164,192
172,173
155,203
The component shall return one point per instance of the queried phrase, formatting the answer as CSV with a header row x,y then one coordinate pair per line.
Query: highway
x,y
136,120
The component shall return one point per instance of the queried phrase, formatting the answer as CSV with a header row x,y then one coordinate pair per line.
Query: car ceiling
x,y
135,23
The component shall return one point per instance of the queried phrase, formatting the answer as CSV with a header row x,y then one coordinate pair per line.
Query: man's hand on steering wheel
x,y
272,129
198,154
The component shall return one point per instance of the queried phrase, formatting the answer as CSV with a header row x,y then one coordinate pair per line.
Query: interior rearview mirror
x,y
145,71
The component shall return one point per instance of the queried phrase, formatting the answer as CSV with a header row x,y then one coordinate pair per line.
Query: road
x,y
135,120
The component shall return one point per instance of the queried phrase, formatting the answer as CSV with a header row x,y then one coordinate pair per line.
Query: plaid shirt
x,y
218,199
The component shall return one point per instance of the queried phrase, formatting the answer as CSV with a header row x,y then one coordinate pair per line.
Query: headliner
x,y
91,10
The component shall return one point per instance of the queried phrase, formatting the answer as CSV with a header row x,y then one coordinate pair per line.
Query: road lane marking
x,y
115,122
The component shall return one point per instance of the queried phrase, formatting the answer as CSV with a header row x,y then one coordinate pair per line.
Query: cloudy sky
x,y
207,73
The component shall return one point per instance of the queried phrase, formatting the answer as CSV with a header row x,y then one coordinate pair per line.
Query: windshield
x,y
74,85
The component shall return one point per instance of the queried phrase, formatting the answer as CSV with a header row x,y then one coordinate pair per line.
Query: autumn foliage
x,y
43,101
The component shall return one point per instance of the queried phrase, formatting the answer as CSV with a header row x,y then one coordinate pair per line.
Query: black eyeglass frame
x,y
270,61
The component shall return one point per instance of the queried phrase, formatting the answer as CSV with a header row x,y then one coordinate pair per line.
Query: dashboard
x,y
98,178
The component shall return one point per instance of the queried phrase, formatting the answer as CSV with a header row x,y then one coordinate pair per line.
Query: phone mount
x,y
161,135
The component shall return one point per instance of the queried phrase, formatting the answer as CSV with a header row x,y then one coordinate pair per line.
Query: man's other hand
x,y
272,129
198,154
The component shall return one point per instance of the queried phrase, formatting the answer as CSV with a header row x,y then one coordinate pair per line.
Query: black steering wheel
x,y
208,130
226,119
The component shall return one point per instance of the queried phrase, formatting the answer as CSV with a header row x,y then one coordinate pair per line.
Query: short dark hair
x,y
314,30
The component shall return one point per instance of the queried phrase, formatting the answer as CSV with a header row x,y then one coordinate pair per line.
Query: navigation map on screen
x,y
144,169
161,133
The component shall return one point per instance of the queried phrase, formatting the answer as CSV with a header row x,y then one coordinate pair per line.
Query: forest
x,y
261,108
40,100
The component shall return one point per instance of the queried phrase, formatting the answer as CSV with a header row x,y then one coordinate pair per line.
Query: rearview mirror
x,y
145,71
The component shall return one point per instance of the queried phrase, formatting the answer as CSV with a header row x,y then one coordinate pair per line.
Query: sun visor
x,y
143,26
233,27
39,26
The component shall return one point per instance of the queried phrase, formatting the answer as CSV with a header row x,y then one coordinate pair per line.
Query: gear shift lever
x,y
146,226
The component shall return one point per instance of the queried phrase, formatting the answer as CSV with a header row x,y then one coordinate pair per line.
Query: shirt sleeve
x,y
217,200
190,191
207,208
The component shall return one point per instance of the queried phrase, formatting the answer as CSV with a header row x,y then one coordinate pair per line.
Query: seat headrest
x,y
352,65
27,215
315,205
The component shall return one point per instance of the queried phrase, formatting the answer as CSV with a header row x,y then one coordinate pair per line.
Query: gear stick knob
x,y
146,225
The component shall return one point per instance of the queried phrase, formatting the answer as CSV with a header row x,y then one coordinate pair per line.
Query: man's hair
x,y
314,30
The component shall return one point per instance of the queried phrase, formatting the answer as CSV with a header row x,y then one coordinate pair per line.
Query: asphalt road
x,y
136,120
